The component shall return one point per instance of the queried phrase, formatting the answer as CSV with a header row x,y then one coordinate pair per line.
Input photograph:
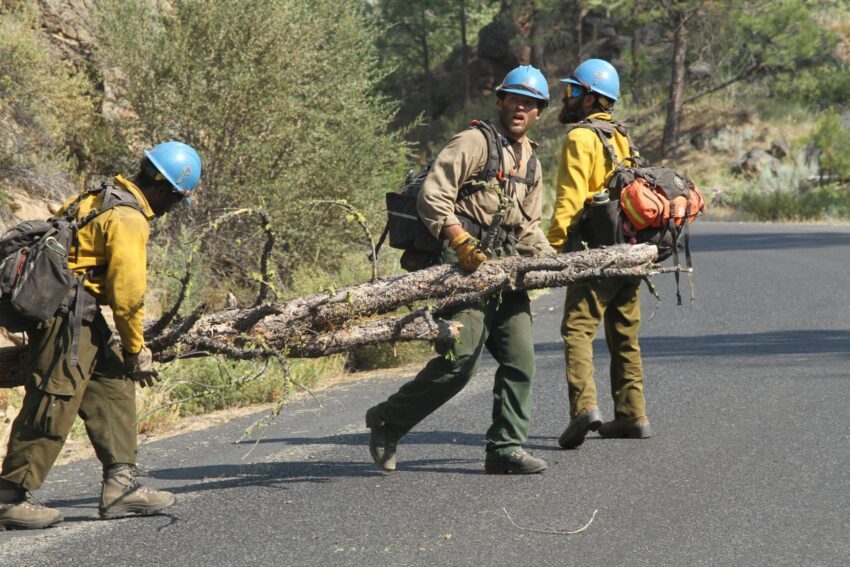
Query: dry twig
x,y
555,532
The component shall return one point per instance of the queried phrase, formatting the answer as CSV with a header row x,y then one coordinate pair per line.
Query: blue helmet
x,y
179,163
596,76
526,80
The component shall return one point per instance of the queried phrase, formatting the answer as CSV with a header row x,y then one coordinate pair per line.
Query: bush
x,y
45,109
278,97
831,141
820,203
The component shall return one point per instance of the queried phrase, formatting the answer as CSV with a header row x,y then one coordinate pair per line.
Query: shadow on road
x,y
413,438
770,343
767,241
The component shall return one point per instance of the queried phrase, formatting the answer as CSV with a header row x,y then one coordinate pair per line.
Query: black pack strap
x,y
112,197
75,318
688,262
470,189
494,166
634,158
530,173
676,233
603,129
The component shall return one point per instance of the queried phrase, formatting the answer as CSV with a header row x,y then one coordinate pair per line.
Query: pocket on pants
x,y
53,415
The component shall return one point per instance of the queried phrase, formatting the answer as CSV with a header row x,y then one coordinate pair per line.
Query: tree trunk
x,y
578,26
538,39
333,322
428,88
637,47
677,86
464,46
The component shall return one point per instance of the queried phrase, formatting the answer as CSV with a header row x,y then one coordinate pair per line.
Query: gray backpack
x,y
35,280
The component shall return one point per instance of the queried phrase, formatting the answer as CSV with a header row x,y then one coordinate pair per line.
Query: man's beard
x,y
570,115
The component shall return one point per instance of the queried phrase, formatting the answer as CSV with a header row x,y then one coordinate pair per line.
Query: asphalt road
x,y
749,463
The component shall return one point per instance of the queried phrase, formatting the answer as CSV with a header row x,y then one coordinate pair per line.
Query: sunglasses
x,y
574,91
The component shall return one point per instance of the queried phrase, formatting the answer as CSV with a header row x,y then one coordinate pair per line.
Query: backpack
x,y
405,228
35,280
651,205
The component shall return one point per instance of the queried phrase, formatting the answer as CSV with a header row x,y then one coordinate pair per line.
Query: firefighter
x,y
461,208
591,92
73,365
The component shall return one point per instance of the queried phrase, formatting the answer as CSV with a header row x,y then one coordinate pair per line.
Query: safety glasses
x,y
574,90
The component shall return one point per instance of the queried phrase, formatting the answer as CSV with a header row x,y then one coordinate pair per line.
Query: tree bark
x,y
677,86
637,47
578,26
340,320
538,39
464,46
428,80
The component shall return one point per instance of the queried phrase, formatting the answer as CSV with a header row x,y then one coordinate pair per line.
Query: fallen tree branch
x,y
341,320
155,329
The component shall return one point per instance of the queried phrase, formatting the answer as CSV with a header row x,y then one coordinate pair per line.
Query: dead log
x,y
340,320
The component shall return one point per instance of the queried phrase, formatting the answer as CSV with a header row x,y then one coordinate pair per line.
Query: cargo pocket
x,y
54,415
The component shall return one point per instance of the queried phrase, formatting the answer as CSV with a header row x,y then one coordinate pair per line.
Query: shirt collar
x,y
137,193
501,129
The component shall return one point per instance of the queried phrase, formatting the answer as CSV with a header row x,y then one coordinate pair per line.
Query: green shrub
x,y
825,202
45,108
831,140
279,98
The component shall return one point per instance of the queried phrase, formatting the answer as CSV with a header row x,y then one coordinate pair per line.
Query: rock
x,y
753,163
780,149
699,71
66,23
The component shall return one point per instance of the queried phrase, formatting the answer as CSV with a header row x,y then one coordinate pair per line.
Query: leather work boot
x,y
382,443
517,461
637,428
588,419
22,513
122,495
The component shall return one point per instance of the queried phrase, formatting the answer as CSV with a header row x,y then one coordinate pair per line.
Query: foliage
x,y
827,202
831,141
45,109
279,99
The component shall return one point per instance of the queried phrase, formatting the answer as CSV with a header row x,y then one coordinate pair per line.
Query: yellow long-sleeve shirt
x,y
116,242
583,170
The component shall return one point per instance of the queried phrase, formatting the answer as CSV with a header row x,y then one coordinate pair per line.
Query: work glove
x,y
139,367
466,248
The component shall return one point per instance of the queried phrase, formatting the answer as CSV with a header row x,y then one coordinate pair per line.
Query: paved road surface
x,y
748,392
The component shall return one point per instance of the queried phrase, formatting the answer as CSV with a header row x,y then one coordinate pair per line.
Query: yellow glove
x,y
468,255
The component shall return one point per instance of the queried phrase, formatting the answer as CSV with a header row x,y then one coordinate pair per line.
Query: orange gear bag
x,y
650,201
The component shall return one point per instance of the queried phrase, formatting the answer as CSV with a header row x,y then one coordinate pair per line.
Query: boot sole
x,y
642,432
127,511
18,525
590,421
501,468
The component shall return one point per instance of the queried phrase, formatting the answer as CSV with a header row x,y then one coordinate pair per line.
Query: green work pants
x,y
57,391
616,302
503,326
